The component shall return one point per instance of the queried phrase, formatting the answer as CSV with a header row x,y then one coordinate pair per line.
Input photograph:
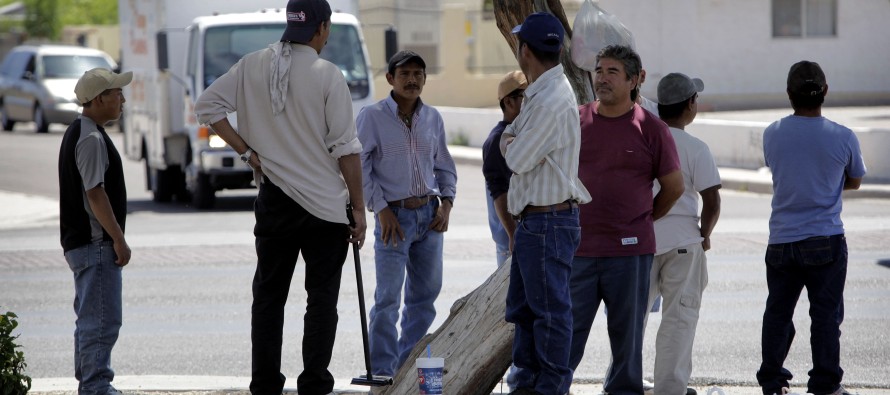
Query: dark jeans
x,y
622,284
538,300
284,229
820,265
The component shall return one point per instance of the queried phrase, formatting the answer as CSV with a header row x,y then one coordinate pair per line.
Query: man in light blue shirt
x,y
409,181
812,160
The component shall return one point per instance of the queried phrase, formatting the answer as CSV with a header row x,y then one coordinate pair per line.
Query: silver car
x,y
37,83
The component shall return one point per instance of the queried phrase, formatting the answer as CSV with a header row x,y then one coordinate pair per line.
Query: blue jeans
x,y
622,283
420,256
498,233
97,303
283,231
538,300
820,265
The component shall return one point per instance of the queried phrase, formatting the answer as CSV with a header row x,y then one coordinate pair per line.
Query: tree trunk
x,y
509,13
475,341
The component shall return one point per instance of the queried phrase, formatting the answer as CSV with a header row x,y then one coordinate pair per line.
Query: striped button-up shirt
x,y
399,162
544,154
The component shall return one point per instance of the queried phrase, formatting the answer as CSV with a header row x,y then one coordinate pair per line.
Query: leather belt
x,y
410,203
566,205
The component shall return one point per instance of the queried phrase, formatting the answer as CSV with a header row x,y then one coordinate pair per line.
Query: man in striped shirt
x,y
409,183
541,148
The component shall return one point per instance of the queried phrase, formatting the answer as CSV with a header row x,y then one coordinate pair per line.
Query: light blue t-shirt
x,y
809,157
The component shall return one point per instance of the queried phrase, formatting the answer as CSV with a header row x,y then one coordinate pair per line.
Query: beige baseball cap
x,y
512,81
95,81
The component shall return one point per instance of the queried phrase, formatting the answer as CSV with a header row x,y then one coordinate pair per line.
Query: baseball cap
x,y
806,78
542,31
94,82
402,57
303,18
677,87
512,81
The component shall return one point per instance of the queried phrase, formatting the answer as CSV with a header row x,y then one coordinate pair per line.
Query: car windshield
x,y
225,45
71,66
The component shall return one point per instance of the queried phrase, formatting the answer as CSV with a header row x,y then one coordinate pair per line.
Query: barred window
x,y
804,18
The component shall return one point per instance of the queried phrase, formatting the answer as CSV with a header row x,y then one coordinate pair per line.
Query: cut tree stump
x,y
475,341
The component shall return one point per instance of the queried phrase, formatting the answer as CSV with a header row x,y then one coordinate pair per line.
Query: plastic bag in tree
x,y
593,30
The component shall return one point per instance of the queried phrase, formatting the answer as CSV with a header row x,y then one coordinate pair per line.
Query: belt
x,y
410,203
566,205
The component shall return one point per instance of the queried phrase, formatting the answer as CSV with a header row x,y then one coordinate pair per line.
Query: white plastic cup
x,y
429,375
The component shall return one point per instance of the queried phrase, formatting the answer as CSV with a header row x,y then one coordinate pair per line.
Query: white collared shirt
x,y
544,154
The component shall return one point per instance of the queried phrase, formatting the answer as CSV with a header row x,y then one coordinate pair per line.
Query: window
x,y
804,18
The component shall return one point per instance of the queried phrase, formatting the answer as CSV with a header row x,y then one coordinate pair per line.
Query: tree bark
x,y
509,13
475,341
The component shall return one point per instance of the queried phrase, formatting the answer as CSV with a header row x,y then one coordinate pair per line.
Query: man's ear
x,y
390,79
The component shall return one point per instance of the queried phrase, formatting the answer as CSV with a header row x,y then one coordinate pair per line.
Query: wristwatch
x,y
245,157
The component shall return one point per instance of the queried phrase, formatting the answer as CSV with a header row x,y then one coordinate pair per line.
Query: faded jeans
x,y
97,303
416,263
820,265
498,233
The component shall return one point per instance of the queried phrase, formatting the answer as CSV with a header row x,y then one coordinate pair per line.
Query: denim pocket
x,y
79,258
567,239
775,255
815,251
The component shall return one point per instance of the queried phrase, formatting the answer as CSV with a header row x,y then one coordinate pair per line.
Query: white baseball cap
x,y
95,81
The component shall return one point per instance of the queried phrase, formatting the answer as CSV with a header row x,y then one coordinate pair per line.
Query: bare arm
x,y
671,190
710,213
101,207
351,168
500,207
852,183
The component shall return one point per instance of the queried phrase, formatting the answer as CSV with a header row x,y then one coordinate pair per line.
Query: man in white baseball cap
x,y
92,216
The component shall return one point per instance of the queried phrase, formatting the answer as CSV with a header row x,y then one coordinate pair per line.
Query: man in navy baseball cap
x,y
303,18
542,31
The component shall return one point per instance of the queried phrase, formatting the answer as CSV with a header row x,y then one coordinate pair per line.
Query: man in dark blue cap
x,y
296,130
541,148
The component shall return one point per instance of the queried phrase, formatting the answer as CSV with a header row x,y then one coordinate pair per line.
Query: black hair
x,y
673,111
545,57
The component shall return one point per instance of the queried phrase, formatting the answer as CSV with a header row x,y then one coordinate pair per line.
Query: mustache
x,y
412,86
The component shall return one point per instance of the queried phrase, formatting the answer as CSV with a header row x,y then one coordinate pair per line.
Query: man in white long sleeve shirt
x,y
542,148
296,129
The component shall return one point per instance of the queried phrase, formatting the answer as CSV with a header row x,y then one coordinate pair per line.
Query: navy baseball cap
x,y
542,31
303,18
403,57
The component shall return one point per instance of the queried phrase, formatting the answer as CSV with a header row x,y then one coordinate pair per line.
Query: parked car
x,y
37,83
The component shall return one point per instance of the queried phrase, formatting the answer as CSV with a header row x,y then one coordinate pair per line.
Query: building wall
x,y
729,44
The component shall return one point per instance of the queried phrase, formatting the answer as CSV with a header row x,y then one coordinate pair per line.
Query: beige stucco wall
x,y
105,38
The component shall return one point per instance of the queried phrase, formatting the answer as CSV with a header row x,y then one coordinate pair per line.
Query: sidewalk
x,y
220,385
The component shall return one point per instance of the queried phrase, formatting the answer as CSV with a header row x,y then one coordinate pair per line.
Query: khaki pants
x,y
680,277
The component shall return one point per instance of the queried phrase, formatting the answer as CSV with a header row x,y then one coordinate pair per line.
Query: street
x,y
187,289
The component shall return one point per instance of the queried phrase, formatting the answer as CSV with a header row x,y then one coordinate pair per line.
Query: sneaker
x,y
648,387
113,391
691,391
841,391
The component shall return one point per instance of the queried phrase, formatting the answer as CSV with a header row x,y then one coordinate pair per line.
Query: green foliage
x,y
46,18
12,363
41,18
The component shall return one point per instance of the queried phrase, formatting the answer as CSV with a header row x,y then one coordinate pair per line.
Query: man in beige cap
x,y
92,214
494,167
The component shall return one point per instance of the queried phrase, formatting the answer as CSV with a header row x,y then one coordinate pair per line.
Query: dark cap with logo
x,y
806,78
303,18
403,57
542,31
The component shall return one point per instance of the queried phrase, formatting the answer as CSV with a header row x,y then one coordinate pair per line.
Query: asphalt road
x,y
187,288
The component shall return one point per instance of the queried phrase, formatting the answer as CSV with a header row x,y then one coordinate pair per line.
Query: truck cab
x,y
175,53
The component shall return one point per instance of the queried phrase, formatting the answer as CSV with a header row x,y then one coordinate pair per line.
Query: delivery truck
x,y
175,50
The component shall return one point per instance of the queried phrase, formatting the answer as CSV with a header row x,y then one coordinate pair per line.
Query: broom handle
x,y
361,295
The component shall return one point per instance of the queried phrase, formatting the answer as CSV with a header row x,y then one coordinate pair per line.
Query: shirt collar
x,y
543,80
394,107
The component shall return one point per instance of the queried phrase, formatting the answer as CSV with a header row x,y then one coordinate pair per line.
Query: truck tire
x,y
164,183
204,195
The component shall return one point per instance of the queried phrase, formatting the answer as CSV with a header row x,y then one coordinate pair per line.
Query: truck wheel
x,y
163,183
40,122
4,119
204,196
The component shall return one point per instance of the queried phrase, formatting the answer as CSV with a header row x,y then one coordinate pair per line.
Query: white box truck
x,y
175,50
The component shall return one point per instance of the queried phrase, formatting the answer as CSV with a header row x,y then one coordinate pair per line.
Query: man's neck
x,y
808,112
94,117
614,110
405,106
676,123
